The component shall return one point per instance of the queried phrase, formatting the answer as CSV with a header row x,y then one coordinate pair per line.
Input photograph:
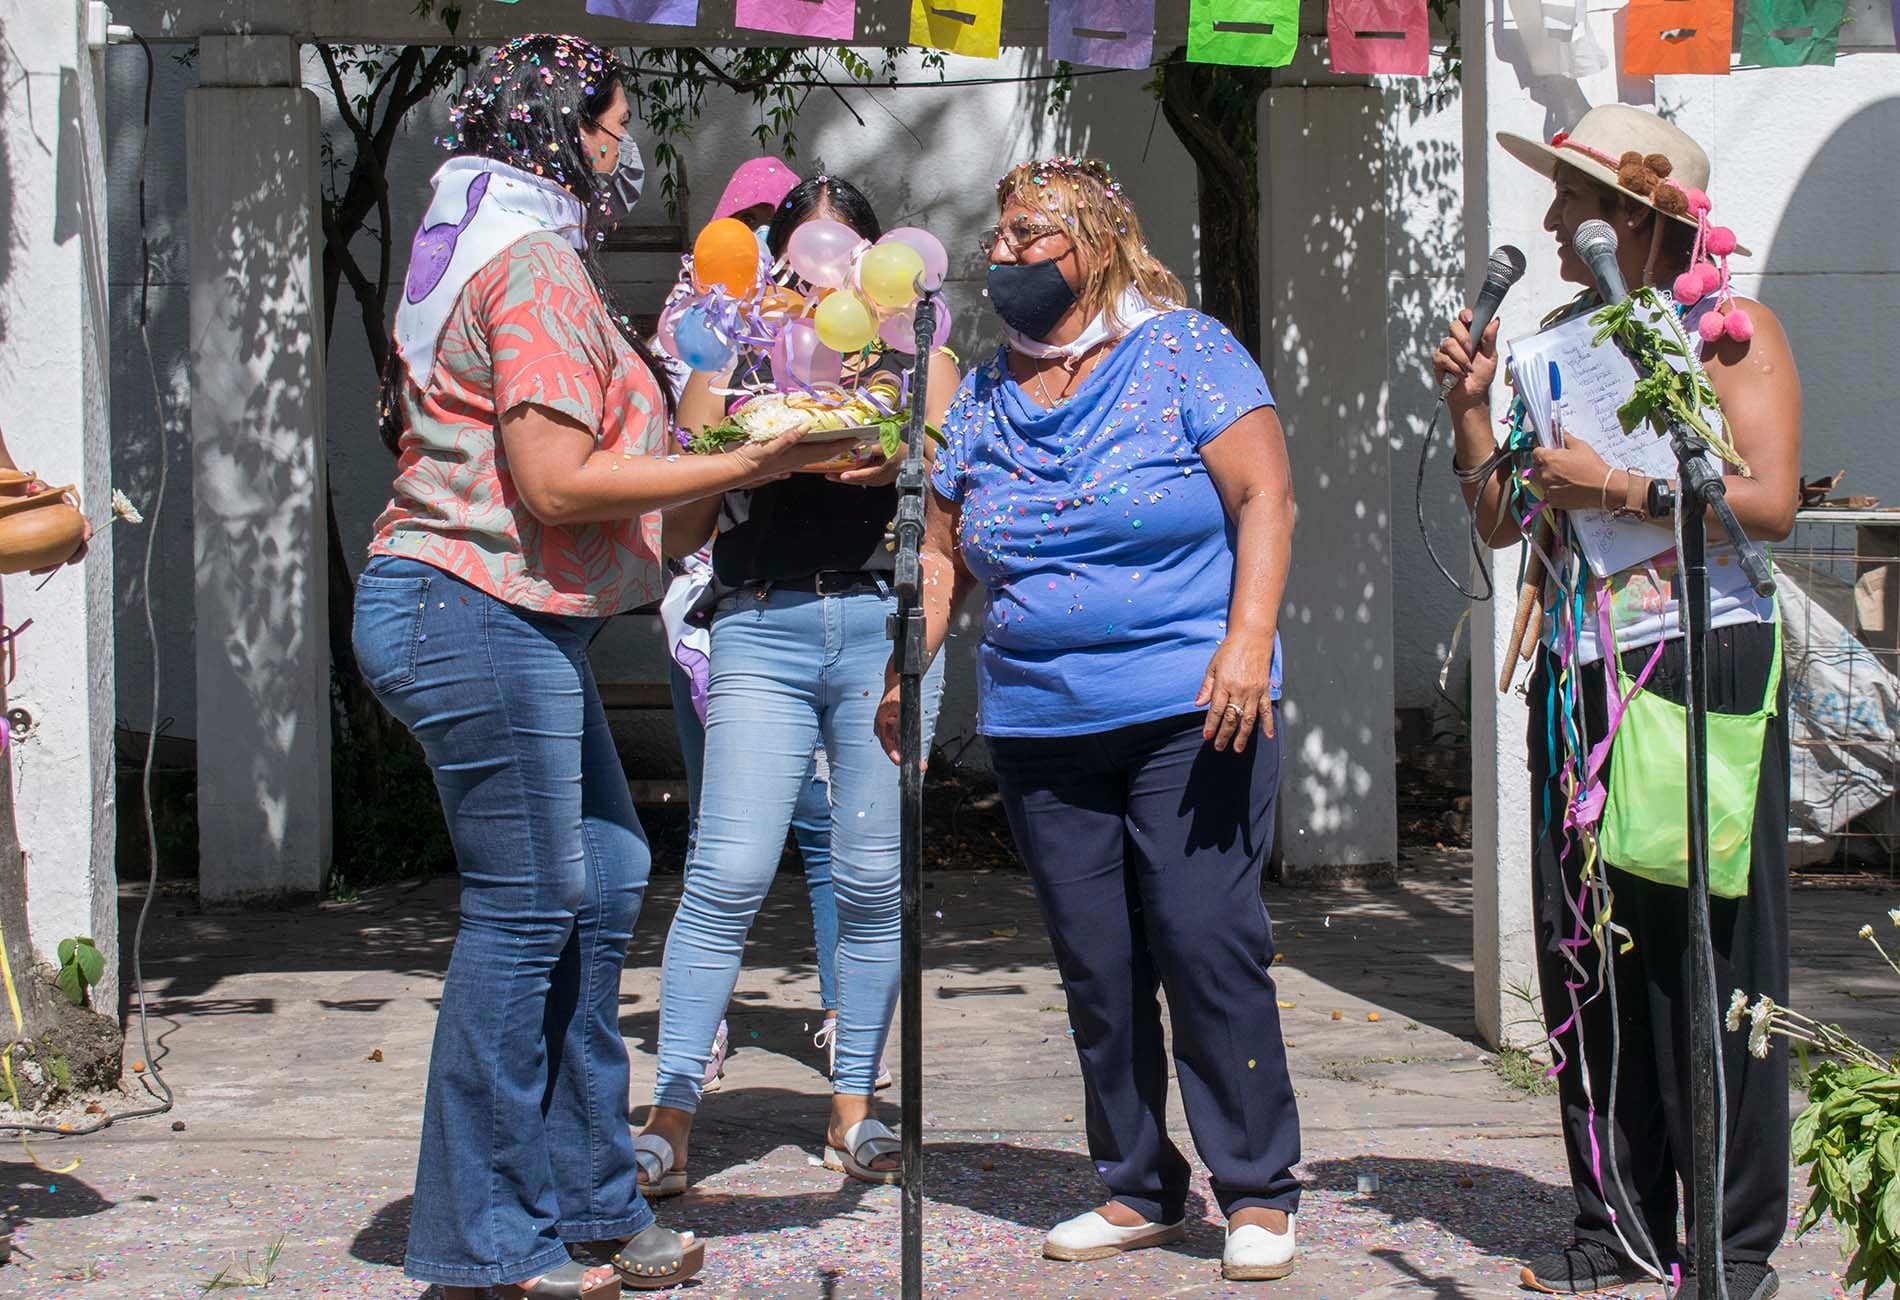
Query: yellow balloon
x,y
889,275
845,323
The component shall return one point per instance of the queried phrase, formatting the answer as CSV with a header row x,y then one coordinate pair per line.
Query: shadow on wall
x,y
1829,276
256,481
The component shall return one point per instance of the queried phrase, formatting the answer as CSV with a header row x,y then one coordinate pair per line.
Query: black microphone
x,y
1595,243
1503,271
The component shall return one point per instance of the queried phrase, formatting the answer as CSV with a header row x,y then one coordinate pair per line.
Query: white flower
x,y
1737,1008
1894,916
123,508
1761,1020
1866,931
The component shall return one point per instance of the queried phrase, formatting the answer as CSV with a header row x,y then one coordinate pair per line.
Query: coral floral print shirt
x,y
529,327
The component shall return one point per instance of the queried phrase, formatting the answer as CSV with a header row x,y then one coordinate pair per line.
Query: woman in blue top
x,y
1116,480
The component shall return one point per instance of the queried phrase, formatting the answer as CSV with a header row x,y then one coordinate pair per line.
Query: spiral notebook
x,y
1572,388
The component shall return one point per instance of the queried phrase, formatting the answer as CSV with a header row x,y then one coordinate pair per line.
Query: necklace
x,y
1072,366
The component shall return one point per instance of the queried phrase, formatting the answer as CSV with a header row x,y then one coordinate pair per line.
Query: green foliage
x,y
1663,394
251,1278
670,85
1850,1134
1522,1071
81,965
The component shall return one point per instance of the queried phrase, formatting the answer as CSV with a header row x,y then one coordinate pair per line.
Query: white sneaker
x,y
1254,1254
827,1038
1090,1236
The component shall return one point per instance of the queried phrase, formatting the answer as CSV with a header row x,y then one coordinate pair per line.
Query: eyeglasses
x,y
1018,234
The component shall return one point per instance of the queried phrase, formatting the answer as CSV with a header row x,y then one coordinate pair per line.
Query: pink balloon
x,y
820,252
899,330
929,247
800,360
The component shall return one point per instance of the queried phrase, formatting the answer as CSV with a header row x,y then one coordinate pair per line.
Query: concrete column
x,y
257,417
1505,203
1324,263
53,404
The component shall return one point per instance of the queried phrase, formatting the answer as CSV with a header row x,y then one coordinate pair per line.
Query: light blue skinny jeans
x,y
789,670
811,830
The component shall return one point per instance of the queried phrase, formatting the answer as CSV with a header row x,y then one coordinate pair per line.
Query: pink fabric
x,y
763,180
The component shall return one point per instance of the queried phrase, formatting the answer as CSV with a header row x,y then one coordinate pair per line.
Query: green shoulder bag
x,y
1645,826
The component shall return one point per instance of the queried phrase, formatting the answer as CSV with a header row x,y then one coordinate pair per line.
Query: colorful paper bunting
x,y
824,20
1244,33
1789,33
1556,38
661,13
1379,36
1678,36
970,27
1105,33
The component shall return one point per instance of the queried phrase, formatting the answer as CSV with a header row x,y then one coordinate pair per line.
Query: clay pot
x,y
40,531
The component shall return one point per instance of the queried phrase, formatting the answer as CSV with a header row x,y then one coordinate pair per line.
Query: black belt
x,y
828,582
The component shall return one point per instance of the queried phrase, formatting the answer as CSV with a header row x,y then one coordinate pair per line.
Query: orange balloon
x,y
727,254
783,303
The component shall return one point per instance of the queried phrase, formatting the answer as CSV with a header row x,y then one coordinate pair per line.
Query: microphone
x,y
1503,271
1595,243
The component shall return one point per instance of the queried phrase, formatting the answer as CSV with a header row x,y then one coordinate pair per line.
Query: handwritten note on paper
x,y
1596,380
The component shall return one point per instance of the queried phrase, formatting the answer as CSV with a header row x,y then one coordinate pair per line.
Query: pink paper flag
x,y
822,20
1379,36
661,13
1105,33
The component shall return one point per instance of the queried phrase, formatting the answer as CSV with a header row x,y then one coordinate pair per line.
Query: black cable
x,y
1418,506
153,1077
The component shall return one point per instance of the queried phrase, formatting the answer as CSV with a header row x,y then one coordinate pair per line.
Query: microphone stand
x,y
1701,492
905,628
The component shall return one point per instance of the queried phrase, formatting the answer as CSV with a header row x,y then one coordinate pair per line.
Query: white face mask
x,y
761,232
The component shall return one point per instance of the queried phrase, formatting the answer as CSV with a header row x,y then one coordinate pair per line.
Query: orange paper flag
x,y
1678,36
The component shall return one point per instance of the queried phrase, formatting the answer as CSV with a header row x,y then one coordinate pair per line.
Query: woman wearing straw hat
x,y
1616,983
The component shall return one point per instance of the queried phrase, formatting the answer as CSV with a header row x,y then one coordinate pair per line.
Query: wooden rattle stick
x,y
1530,598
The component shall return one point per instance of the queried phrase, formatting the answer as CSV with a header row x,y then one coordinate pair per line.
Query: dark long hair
x,y
846,201
525,107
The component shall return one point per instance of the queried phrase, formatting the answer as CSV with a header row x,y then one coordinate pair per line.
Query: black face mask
x,y
1031,297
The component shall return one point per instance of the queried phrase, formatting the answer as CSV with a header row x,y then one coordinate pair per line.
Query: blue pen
x,y
1556,395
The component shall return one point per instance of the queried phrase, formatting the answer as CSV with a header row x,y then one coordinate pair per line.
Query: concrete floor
x,y
298,1043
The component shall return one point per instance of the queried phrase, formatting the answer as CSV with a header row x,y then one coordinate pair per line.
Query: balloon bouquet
x,y
728,310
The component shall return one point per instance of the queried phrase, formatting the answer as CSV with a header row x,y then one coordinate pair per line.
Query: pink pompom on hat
x,y
763,180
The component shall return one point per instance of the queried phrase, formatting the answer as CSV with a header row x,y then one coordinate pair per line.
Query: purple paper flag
x,y
661,13
1105,33
824,20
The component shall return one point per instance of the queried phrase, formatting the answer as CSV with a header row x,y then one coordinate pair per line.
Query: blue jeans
x,y
811,829
525,1143
789,670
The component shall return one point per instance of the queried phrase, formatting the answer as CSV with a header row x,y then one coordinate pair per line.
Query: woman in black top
x,y
798,658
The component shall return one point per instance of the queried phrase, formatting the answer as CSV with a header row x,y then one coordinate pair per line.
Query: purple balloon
x,y
929,247
899,329
820,252
799,360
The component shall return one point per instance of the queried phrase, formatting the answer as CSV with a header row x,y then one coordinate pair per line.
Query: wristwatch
x,y
1636,489
1662,499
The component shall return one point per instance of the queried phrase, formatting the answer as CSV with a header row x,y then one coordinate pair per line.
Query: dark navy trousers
x,y
1146,846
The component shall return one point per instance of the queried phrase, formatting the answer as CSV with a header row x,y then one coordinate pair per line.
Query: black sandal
x,y
653,1260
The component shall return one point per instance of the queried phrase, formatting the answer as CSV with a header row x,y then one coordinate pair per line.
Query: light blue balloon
x,y
699,345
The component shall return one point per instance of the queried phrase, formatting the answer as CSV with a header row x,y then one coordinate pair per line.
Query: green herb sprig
x,y
1663,393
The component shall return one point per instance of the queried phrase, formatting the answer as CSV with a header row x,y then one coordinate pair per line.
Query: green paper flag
x,y
1789,33
1244,33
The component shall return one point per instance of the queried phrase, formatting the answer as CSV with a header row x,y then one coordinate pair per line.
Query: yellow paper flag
x,y
971,27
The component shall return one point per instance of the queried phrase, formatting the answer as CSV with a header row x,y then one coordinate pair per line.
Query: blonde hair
x,y
1082,197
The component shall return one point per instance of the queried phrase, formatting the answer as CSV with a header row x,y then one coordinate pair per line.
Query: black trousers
x,y
1146,846
1652,1125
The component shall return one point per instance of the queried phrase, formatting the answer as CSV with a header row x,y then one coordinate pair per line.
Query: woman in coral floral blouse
x,y
532,430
